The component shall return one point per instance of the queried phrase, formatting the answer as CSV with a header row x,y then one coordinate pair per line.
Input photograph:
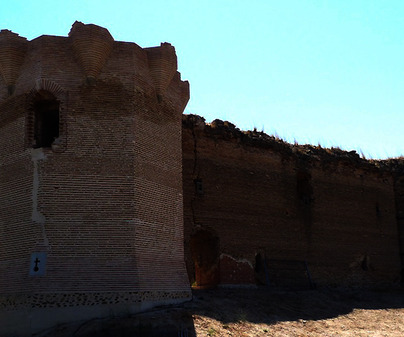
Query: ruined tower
x,y
91,210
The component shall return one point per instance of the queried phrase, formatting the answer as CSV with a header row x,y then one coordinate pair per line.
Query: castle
x,y
113,202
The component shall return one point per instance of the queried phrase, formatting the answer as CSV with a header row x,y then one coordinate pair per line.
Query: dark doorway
x,y
205,255
261,270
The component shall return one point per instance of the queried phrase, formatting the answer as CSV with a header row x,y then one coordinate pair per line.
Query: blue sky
x,y
319,72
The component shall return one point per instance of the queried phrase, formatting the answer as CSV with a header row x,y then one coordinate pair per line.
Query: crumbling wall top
x,y
90,30
308,153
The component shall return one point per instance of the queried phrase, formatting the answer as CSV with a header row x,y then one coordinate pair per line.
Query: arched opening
x,y
46,119
205,255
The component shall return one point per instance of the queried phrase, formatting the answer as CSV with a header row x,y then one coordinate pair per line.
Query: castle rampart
x,y
257,208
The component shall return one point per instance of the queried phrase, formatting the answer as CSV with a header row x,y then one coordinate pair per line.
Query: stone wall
x,y
281,213
91,223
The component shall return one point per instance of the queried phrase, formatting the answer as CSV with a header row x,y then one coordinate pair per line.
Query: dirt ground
x,y
325,312
260,312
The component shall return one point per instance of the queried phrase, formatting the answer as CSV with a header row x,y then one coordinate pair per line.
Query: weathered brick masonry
x,y
97,161
258,210
91,216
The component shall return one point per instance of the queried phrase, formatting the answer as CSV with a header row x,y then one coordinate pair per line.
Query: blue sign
x,y
37,266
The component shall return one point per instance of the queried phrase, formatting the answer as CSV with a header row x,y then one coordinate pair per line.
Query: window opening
x,y
46,126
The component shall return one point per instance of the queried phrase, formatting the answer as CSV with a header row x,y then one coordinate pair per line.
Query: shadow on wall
x,y
283,274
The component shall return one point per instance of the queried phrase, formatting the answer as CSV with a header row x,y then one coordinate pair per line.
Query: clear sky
x,y
311,71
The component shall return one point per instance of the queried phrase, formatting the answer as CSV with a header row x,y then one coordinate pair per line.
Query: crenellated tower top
x,y
92,46
89,52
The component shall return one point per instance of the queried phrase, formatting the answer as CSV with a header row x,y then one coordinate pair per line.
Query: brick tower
x,y
91,213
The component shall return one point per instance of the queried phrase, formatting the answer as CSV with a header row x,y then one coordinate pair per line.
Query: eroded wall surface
x,y
92,224
396,166
275,207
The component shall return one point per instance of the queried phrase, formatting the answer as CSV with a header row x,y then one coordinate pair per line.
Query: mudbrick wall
x,y
260,211
91,215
